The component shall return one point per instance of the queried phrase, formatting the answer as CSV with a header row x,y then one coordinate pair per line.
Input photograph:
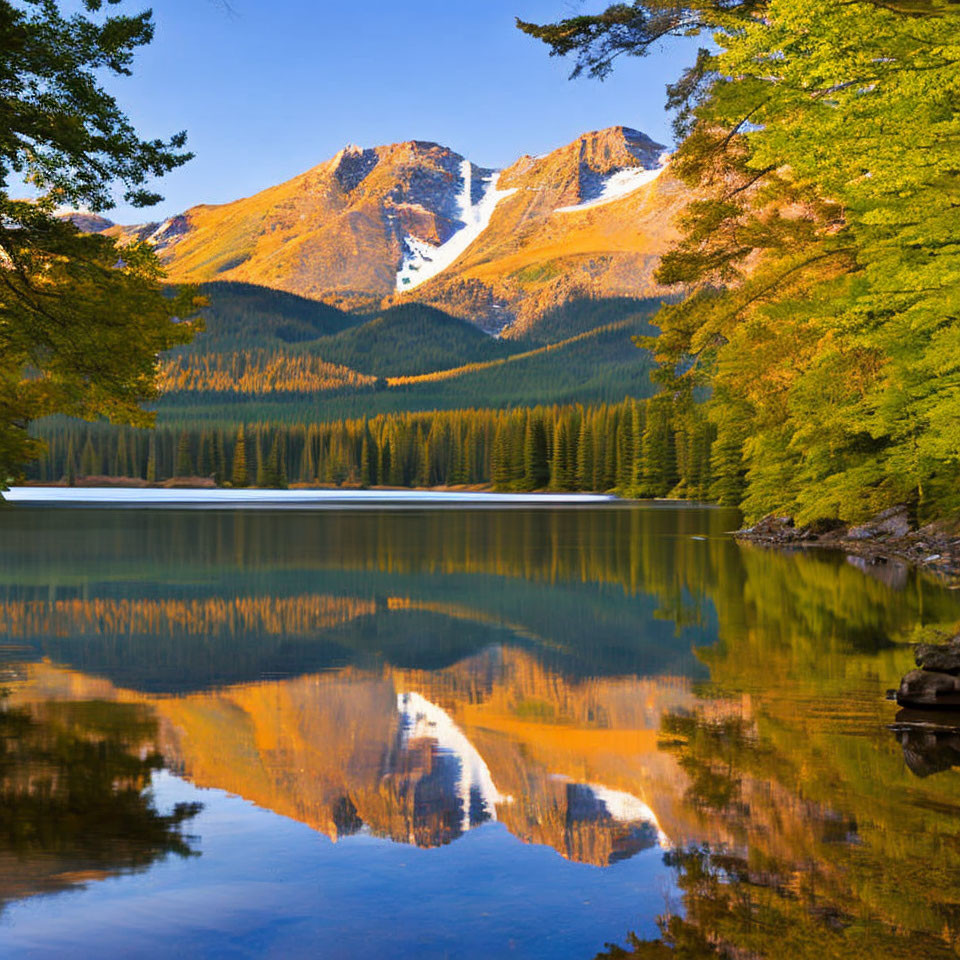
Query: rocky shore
x,y
936,681
928,724
889,539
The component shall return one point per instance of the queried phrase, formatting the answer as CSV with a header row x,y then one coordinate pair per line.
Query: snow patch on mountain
x,y
421,719
168,232
617,185
422,260
84,220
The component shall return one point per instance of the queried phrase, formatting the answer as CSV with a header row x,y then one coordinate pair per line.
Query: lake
x,y
405,731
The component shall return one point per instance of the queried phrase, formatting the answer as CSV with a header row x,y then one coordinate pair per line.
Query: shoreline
x,y
885,541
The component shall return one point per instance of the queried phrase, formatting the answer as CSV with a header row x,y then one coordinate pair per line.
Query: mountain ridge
x,y
415,221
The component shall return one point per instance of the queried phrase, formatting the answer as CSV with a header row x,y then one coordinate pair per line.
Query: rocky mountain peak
x,y
416,219
87,222
352,165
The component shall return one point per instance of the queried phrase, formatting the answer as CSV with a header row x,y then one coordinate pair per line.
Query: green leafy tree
x,y
82,317
820,253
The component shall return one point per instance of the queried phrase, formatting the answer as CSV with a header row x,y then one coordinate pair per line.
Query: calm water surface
x,y
603,731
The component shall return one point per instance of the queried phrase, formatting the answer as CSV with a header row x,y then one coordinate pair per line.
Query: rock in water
x,y
925,688
939,657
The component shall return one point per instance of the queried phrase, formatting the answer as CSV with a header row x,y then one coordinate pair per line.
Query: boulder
x,y
939,657
924,688
894,522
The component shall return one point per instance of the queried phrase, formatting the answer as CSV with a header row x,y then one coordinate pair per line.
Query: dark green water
x,y
462,733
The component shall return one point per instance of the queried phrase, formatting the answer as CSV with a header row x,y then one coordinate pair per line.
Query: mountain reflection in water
x,y
598,682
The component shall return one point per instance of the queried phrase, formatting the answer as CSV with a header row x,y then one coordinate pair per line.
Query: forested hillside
x,y
271,356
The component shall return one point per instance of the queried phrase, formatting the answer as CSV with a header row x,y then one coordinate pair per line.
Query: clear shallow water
x,y
432,733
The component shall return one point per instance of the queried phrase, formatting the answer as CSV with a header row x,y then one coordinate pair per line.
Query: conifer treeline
x,y
256,372
637,447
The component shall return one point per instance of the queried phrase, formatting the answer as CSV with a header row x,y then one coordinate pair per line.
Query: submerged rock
x,y
926,688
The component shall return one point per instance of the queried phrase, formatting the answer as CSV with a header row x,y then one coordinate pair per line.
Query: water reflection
x,y
75,803
421,757
597,683
930,740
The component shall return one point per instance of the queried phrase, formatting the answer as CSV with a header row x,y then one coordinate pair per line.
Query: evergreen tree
x,y
82,314
659,451
219,457
561,478
309,456
205,463
262,473
151,476
271,473
502,473
90,463
608,476
626,447
424,472
366,463
121,466
239,475
585,456
639,428
71,465
536,467
184,464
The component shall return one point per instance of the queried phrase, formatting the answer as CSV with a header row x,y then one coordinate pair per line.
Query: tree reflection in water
x,y
825,853
75,799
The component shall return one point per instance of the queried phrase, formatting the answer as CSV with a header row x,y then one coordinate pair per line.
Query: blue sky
x,y
270,88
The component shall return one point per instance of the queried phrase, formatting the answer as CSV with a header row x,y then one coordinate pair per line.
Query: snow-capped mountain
x,y
415,220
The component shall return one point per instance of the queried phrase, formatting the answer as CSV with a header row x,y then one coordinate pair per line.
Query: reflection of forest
x,y
638,549
74,798
127,594
834,847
